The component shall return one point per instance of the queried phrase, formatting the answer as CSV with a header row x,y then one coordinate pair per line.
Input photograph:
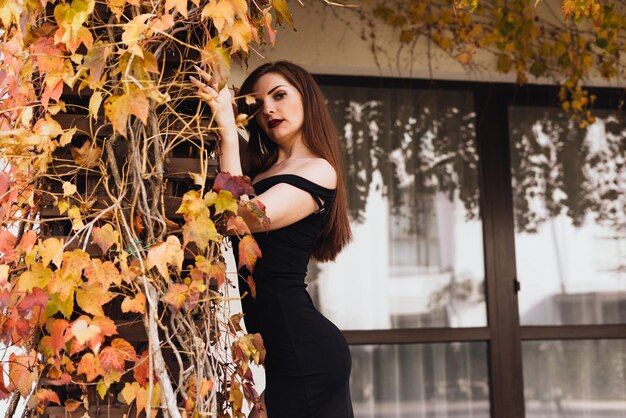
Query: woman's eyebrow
x,y
274,89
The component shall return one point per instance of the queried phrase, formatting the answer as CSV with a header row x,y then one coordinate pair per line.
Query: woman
x,y
294,160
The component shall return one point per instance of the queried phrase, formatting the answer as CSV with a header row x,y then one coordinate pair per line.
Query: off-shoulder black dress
x,y
308,362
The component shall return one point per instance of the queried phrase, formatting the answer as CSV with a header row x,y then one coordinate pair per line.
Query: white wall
x,y
329,41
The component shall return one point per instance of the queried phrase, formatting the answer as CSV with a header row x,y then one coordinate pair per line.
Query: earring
x,y
262,147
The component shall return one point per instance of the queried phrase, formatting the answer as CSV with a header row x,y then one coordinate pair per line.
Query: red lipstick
x,y
274,123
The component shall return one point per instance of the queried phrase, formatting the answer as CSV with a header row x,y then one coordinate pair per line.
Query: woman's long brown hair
x,y
319,135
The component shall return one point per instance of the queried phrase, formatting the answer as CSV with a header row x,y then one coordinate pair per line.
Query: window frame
x,y
503,334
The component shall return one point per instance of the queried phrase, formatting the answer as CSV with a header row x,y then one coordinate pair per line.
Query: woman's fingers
x,y
208,78
204,91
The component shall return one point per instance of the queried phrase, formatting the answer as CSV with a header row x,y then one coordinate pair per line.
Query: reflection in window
x,y
420,380
569,189
416,259
565,379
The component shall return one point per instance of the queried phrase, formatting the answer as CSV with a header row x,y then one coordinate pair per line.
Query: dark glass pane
x,y
569,190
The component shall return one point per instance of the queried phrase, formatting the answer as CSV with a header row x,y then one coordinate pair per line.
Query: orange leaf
x,y
104,273
176,295
142,369
118,108
164,253
249,251
23,372
105,237
113,358
252,286
44,397
136,304
28,241
106,325
90,366
55,342
71,405
7,242
237,225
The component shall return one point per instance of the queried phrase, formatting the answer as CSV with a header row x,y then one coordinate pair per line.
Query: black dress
x,y
308,361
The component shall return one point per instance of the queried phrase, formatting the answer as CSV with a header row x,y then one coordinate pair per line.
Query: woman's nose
x,y
268,108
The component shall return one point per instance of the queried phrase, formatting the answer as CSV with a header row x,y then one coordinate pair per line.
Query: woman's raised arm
x,y
221,103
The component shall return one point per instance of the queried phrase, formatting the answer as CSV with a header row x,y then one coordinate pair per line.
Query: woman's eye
x,y
279,96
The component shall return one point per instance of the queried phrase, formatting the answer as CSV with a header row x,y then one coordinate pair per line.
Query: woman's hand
x,y
221,102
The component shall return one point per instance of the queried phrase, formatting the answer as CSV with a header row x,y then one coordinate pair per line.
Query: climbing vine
x,y
568,42
101,241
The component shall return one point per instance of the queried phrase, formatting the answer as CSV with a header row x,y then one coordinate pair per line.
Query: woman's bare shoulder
x,y
319,171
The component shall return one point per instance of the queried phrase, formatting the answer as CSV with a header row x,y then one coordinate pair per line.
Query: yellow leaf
x,y
68,189
83,331
225,202
180,5
192,205
94,104
200,229
241,34
130,392
221,12
136,304
74,215
282,12
166,253
67,136
135,29
198,179
93,298
38,276
51,250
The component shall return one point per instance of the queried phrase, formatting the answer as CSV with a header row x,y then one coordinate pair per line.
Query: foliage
x,y
585,38
86,244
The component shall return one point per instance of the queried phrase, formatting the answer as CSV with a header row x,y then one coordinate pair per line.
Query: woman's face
x,y
281,113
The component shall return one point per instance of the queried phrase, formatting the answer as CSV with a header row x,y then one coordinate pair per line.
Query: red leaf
x,y
7,245
115,356
63,380
36,298
237,185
